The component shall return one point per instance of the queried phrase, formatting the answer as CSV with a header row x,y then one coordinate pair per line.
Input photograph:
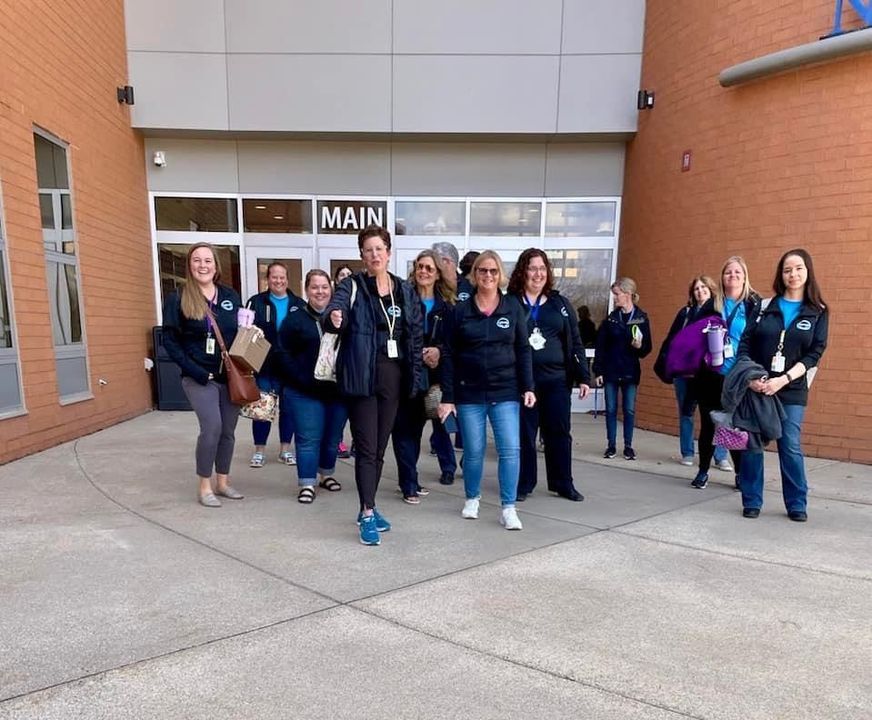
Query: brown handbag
x,y
240,381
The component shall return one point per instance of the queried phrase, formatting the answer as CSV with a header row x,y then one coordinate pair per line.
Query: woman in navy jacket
x,y
379,360
190,340
622,340
436,299
559,365
270,310
318,412
487,372
787,338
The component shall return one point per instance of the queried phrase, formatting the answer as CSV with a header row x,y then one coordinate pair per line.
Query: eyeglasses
x,y
488,271
425,268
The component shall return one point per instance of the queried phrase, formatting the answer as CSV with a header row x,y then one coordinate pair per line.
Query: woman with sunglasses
x,y
487,373
436,298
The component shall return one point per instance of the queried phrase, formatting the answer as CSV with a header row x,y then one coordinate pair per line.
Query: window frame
x,y
10,355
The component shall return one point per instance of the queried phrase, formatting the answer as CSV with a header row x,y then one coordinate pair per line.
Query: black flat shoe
x,y
575,496
521,497
797,516
751,512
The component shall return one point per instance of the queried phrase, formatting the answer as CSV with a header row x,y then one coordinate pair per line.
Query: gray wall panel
x,y
592,26
192,165
338,168
169,25
484,169
482,26
579,169
475,94
598,93
179,90
329,93
262,26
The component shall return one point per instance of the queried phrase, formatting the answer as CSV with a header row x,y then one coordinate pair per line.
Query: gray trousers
x,y
218,417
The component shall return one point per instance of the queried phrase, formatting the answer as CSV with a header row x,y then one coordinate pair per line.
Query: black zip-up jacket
x,y
562,358
298,344
435,336
185,339
465,289
355,365
265,318
616,359
486,358
804,341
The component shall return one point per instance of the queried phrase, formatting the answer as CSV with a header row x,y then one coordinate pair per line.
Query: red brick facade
x,y
60,63
777,163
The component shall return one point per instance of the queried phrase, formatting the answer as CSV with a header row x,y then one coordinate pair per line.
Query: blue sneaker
x,y
368,533
381,522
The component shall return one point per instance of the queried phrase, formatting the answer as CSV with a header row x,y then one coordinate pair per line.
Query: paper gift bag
x,y
250,347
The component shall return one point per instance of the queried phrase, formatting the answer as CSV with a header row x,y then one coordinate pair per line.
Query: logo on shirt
x,y
563,312
461,296
294,309
503,323
394,311
803,325
226,305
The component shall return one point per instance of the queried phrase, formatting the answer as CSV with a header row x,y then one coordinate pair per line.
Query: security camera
x,y
159,158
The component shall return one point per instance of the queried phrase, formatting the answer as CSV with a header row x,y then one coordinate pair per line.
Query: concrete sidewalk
x,y
123,598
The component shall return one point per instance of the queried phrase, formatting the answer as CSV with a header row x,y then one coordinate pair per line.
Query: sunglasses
x,y
488,271
425,268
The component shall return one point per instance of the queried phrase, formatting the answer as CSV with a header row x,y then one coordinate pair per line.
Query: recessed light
x,y
260,207
278,217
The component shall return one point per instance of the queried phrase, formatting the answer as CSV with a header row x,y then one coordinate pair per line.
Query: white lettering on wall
x,y
350,218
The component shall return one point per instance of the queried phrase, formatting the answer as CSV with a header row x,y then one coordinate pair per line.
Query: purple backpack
x,y
688,349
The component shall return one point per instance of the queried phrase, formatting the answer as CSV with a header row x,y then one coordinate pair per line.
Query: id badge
x,y
210,346
393,351
777,363
728,350
536,339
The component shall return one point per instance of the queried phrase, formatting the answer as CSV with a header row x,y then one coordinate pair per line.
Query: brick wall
x,y
778,163
60,63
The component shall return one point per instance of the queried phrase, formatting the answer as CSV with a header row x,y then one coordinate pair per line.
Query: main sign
x,y
349,217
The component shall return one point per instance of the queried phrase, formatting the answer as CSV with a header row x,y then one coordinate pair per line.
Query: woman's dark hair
x,y
811,291
316,272
705,280
339,270
519,274
467,260
373,231
583,312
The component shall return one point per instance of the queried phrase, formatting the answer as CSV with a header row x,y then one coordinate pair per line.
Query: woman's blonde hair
x,y
440,288
746,287
490,255
193,303
627,285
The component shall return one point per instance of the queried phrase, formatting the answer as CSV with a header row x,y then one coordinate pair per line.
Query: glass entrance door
x,y
298,262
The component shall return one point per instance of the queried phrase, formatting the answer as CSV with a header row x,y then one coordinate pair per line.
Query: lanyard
x,y
211,302
630,318
729,320
392,321
316,318
780,343
534,309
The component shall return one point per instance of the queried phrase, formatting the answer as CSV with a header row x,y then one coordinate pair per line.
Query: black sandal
x,y
330,484
306,495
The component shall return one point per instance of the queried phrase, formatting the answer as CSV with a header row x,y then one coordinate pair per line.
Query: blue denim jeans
x,y
794,487
319,427
504,420
686,408
628,395
260,428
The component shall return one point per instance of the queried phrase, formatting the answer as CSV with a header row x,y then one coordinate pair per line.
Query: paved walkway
x,y
123,598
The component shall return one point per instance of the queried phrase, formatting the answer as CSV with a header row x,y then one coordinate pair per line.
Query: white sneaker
x,y
470,509
724,465
288,458
687,460
509,519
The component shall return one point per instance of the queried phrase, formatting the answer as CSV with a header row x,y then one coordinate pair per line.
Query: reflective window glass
x,y
5,320
171,266
430,218
66,212
63,293
46,211
51,164
506,219
584,276
190,214
277,216
564,219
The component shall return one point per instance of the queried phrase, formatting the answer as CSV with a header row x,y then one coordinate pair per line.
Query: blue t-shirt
x,y
789,309
735,329
281,308
428,308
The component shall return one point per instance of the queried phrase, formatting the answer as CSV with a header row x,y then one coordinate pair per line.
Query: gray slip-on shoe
x,y
209,500
230,493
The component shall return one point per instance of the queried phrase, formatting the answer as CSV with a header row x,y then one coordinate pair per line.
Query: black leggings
x,y
372,419
707,388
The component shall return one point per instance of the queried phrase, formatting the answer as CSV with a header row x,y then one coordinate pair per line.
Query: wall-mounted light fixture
x,y
125,94
645,100
159,158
